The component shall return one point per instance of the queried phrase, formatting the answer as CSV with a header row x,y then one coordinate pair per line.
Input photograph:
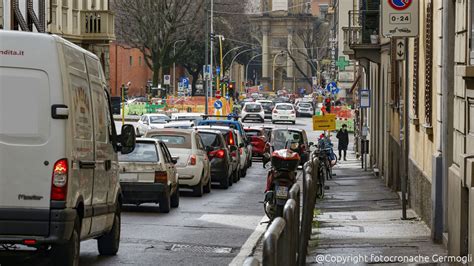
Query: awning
x,y
355,83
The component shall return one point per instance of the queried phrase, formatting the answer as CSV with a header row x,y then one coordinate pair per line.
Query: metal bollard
x,y
307,217
287,252
271,240
251,261
295,193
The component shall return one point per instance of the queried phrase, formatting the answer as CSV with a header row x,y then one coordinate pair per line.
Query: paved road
x,y
202,231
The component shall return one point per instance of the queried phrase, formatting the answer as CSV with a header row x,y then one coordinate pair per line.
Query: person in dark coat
x,y
343,137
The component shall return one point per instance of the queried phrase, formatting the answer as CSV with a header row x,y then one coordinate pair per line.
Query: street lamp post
x,y
273,67
233,49
235,57
174,65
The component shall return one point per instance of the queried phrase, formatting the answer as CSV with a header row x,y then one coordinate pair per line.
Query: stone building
x,y
285,63
87,23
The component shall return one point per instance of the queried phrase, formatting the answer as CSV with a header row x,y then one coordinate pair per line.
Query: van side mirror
x,y
127,139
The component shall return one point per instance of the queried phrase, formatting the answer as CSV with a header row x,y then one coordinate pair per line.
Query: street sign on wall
x,y
400,53
364,98
167,80
400,18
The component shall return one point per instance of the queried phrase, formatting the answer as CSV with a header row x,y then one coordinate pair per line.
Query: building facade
x,y
87,23
285,61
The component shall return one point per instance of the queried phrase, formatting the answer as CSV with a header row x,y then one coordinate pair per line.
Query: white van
x,y
58,148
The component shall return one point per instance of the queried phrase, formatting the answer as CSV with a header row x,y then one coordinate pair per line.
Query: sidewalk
x,y
359,221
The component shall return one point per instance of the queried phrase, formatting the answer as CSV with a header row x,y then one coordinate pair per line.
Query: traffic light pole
x,y
207,81
123,105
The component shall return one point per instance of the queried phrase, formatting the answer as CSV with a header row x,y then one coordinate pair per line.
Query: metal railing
x,y
363,29
286,240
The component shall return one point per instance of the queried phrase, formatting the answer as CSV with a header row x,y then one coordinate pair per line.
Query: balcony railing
x,y
97,25
363,29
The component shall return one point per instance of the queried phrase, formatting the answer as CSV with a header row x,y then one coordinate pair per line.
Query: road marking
x,y
250,244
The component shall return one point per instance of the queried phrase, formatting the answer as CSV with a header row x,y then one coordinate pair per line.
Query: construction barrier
x,y
347,121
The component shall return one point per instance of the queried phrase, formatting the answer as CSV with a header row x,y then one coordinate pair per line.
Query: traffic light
x,y
124,91
327,103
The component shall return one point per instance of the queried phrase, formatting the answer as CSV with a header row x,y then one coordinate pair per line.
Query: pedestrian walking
x,y
343,137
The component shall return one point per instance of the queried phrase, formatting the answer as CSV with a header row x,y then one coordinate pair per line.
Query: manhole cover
x,y
201,249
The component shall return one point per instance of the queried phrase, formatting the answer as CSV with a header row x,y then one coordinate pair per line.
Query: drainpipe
x,y
440,185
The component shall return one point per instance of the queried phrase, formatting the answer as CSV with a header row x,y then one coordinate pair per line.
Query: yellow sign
x,y
324,122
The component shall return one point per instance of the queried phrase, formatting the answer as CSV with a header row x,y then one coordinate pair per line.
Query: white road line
x,y
250,244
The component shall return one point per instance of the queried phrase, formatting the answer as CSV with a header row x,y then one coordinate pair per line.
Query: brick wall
x,y
128,64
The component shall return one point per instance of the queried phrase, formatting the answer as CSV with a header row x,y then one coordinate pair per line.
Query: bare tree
x,y
153,26
314,36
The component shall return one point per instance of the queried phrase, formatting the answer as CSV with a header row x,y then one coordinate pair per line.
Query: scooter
x,y
280,178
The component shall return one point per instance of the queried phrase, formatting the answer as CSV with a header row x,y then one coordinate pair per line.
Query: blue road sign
x,y
218,104
185,81
332,88
218,70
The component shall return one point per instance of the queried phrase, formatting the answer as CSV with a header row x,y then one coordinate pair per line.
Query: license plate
x,y
281,192
126,177
284,117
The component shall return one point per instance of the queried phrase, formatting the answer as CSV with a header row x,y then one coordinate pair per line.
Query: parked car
x,y
284,112
253,111
219,156
58,153
235,124
231,137
196,117
151,121
304,109
246,100
192,163
267,107
281,136
148,174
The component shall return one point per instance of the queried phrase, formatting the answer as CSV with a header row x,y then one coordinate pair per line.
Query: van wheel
x,y
235,176
198,190
109,243
231,180
175,198
68,254
165,202
243,173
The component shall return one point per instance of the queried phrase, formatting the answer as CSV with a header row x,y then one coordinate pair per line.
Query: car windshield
x,y
284,107
281,137
188,117
158,119
174,141
253,108
210,139
143,152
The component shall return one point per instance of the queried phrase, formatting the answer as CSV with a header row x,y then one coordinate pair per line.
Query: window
x,y
158,119
174,141
284,107
210,139
131,60
256,133
253,108
143,152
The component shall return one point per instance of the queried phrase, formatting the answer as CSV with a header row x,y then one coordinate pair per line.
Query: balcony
x,y
361,37
97,26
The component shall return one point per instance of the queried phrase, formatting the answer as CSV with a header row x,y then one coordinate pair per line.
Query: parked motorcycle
x,y
280,178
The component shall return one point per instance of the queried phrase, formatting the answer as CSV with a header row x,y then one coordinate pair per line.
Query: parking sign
x,y
400,18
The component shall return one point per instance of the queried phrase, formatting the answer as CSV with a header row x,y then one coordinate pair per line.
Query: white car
x,y
148,174
284,112
304,109
253,111
192,163
182,124
58,152
186,116
151,121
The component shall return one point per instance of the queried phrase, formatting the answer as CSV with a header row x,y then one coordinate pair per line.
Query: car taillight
x,y
161,177
192,160
241,151
218,154
59,180
275,111
231,139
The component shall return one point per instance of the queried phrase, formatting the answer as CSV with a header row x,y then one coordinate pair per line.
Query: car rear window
x,y
174,141
280,138
253,108
143,152
210,139
158,119
305,105
284,107
257,133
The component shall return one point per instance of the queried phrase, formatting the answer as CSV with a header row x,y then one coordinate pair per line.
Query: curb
x,y
249,246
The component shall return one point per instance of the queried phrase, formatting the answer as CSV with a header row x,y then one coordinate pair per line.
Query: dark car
x,y
116,104
258,138
282,138
219,157
230,136
267,107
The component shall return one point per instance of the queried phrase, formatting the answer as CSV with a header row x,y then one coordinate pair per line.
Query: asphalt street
x,y
203,231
